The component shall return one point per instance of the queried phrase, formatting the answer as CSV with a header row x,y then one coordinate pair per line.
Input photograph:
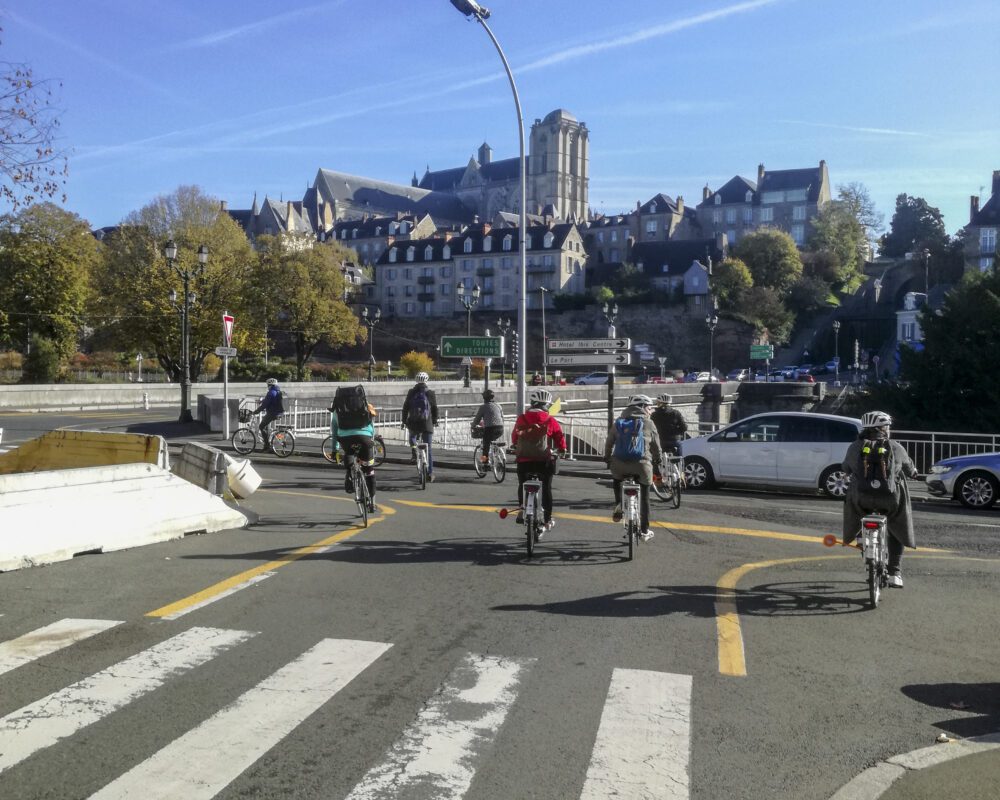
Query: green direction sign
x,y
764,352
472,346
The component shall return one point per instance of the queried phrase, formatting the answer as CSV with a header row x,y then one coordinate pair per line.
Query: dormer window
x,y
343,233
527,241
378,230
392,254
467,246
354,233
749,196
652,208
428,253
446,252
410,252
507,241
404,227
393,227
718,199
547,241
487,244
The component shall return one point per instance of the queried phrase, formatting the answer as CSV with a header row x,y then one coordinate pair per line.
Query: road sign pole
x,y
225,398
611,383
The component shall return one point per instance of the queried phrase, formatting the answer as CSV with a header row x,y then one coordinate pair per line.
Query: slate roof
x,y
733,191
784,179
678,254
385,197
366,227
445,180
989,214
663,204
457,243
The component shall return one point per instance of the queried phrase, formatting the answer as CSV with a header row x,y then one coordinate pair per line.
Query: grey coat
x,y
900,519
642,470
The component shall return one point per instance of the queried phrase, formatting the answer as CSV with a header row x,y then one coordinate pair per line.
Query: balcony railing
x,y
485,272
426,297
541,268
425,280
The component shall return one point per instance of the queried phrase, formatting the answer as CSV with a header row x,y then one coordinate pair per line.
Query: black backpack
x,y
876,479
420,407
351,407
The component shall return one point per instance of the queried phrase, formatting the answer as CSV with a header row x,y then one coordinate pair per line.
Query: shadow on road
x,y
982,700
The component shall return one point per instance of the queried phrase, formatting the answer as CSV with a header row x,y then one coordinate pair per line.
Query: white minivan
x,y
787,449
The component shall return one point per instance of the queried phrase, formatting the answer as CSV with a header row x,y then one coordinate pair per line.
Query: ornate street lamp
x,y
370,323
711,320
468,299
170,252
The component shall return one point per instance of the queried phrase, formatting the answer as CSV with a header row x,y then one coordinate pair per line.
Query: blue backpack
x,y
420,407
630,445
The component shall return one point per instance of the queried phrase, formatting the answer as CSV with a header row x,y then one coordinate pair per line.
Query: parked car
x,y
805,377
699,377
972,480
667,379
805,369
738,375
779,449
788,373
592,379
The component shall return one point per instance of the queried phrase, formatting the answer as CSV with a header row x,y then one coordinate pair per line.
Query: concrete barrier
x,y
54,515
204,466
72,449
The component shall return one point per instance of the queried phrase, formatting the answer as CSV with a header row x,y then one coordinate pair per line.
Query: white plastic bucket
x,y
243,478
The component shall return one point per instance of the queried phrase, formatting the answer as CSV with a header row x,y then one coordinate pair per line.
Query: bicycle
x,y
671,480
497,461
532,488
873,542
244,439
422,472
362,498
630,515
330,452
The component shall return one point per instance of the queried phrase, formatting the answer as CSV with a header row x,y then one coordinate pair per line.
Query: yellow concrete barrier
x,y
75,449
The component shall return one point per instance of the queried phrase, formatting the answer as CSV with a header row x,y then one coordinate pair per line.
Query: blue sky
x,y
250,96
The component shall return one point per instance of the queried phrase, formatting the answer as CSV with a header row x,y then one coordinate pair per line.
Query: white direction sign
x,y
608,359
229,352
590,344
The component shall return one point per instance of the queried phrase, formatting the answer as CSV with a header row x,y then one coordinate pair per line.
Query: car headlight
x,y
938,469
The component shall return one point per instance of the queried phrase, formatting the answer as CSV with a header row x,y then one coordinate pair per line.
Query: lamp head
x,y
470,8
173,297
476,291
203,255
460,290
836,325
364,313
170,250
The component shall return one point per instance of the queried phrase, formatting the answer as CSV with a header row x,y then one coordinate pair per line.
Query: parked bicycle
x,y
280,437
497,461
671,480
630,515
330,453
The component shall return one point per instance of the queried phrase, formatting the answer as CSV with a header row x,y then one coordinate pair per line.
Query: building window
x,y
718,199
748,197
772,197
446,252
799,234
487,263
392,254
445,289
600,237
527,241
409,308
987,241
393,227
614,254
354,233
651,227
548,239
985,264
378,230
467,247
391,274
716,216
731,235
505,282
730,215
445,272
410,252
427,272
547,260
799,213
408,290
390,291
767,215
391,307
487,244
408,274
748,216
507,242
795,195
466,264
343,233
428,253
505,262
614,236
428,309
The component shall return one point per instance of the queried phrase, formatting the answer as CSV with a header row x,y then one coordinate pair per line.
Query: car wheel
x,y
977,490
834,482
698,474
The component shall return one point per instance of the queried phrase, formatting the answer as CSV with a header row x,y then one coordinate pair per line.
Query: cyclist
x,y
670,425
872,447
534,433
353,431
420,415
631,449
273,406
490,415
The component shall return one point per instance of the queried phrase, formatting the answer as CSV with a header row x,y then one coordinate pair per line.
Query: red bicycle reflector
x,y
829,540
503,512
870,526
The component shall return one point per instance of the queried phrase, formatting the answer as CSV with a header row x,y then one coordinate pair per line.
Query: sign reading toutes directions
x,y
607,358
472,346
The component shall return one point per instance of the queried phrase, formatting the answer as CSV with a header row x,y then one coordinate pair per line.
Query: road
x,y
427,657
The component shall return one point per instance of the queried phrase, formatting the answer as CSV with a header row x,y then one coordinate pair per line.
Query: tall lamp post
x,y
27,304
503,325
170,251
468,299
711,320
836,352
370,323
472,9
611,314
927,274
545,342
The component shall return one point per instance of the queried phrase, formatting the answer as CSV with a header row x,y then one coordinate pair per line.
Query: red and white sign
x,y
227,329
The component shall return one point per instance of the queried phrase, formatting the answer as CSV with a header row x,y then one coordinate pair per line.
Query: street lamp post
x,y
836,352
472,9
468,300
503,325
545,342
370,323
711,320
27,304
170,251
611,314
927,274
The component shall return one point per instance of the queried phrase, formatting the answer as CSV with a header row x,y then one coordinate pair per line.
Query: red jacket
x,y
539,417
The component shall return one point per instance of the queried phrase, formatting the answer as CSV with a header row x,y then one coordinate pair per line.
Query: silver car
x,y
972,480
779,449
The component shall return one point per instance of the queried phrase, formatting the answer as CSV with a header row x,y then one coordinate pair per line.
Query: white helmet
x,y
272,381
665,399
540,397
876,419
640,400
423,377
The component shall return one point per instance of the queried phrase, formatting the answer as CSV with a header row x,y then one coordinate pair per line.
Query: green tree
x,y
764,307
859,202
134,282
731,279
772,257
414,362
301,286
43,363
46,259
809,294
914,226
840,237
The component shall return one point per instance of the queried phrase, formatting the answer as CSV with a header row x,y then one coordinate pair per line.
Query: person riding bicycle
x,y
490,416
353,432
631,450
876,466
273,406
670,425
534,433
420,415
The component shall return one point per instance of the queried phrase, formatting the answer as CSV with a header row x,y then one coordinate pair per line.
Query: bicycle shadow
x,y
979,700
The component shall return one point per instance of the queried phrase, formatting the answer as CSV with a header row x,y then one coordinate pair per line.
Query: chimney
x,y
705,193
973,207
996,182
638,207
223,206
680,205
760,174
288,216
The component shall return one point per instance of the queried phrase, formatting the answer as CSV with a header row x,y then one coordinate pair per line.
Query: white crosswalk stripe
x,y
206,759
438,754
643,743
43,723
49,639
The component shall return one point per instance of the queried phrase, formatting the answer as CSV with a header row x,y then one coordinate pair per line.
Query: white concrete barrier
x,y
54,515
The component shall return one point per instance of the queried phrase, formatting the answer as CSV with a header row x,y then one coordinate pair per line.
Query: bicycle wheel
x,y
662,489
477,461
361,496
499,465
329,451
874,584
283,443
244,441
379,456
530,523
422,466
632,535
677,491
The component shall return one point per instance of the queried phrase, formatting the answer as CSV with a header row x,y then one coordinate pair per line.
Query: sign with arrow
x,y
605,359
590,344
472,346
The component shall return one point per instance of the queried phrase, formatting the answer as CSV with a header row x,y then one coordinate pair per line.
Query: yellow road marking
x,y
288,558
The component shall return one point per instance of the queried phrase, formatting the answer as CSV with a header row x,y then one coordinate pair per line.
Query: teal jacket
x,y
335,431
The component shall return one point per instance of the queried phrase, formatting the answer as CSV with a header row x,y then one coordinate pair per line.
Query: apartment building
x,y
981,233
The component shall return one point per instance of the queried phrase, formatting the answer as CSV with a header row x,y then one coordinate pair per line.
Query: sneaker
x,y
371,506
646,535
348,485
616,515
430,477
519,519
550,525
896,580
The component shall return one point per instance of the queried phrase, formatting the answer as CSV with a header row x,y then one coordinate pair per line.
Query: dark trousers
x,y
544,470
643,502
269,417
491,433
363,448
895,554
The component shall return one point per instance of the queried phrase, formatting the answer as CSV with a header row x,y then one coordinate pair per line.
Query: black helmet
x,y
488,395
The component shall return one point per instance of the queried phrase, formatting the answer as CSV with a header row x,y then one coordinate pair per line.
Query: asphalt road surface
x,y
427,657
